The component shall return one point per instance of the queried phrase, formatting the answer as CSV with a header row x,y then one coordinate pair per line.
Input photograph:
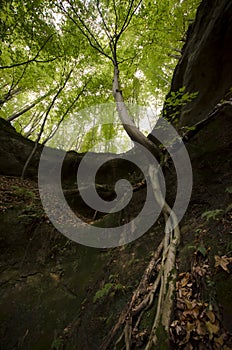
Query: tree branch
x,y
89,35
29,61
65,113
106,29
10,94
34,59
43,124
195,129
128,18
28,107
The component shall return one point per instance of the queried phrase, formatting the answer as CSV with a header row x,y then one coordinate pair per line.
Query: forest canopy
x,y
56,60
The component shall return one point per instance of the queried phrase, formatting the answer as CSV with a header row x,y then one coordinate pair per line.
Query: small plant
x,y
212,214
228,208
211,292
229,190
24,193
103,292
202,250
57,343
177,100
108,289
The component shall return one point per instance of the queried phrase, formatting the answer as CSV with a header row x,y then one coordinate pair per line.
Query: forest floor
x,y
56,294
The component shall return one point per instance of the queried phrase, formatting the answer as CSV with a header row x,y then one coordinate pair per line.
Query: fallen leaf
x,y
55,276
185,280
201,271
222,261
190,304
190,326
200,328
212,328
211,316
220,340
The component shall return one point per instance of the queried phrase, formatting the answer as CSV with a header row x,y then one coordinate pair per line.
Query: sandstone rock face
x,y
206,62
206,67
14,151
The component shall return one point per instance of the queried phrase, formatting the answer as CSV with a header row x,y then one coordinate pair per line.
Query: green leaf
x,y
211,214
202,250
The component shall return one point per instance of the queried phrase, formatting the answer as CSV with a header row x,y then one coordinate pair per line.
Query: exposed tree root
x,y
162,289
139,300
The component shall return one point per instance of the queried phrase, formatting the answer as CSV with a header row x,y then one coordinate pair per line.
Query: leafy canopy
x,y
56,59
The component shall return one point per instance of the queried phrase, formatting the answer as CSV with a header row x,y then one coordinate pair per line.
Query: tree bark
x,y
28,107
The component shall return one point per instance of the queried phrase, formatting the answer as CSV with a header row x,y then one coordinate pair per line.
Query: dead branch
x,y
195,129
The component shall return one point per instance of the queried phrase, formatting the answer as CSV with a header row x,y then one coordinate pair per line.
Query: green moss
x,y
163,338
148,318
110,220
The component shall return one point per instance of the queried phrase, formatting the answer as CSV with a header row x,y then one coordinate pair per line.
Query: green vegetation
x,y
23,193
55,61
212,214
229,190
109,289
57,344
177,100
